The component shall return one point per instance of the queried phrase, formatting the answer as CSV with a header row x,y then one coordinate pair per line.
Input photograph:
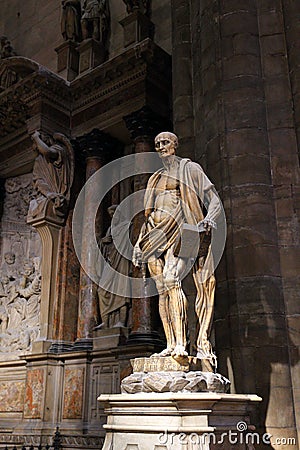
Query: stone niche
x,y
20,279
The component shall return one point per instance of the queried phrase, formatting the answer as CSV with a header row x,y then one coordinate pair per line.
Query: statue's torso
x,y
167,195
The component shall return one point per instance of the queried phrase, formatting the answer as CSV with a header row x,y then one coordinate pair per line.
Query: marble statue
x,y
71,20
113,308
95,20
53,173
179,193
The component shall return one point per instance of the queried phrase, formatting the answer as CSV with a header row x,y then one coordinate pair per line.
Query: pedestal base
x,y
137,27
91,54
68,60
177,421
109,338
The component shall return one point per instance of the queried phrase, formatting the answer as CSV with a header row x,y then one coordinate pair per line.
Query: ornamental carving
x,y
53,174
19,193
20,295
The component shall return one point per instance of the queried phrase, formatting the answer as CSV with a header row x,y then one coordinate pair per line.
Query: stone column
x,y
143,125
234,115
95,147
183,111
50,237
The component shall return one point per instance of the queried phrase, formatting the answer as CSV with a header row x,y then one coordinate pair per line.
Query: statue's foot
x,y
166,352
179,351
119,325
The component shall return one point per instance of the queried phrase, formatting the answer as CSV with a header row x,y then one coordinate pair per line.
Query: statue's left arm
x,y
208,195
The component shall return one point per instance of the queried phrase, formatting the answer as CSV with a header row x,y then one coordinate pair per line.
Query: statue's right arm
x,y
42,147
137,252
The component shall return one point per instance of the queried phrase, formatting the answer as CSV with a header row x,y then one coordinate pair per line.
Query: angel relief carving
x,y
20,296
53,173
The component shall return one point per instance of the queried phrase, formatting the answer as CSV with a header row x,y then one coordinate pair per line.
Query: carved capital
x,y
97,145
144,124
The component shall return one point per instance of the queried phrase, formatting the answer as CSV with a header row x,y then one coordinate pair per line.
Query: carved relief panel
x,y
20,279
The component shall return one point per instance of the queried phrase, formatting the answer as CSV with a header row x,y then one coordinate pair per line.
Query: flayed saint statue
x,y
179,197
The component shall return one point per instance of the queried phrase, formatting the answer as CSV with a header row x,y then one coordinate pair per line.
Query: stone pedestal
x,y
68,60
91,54
137,27
175,421
110,338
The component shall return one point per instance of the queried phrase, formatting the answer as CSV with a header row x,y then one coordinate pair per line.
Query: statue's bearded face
x,y
165,144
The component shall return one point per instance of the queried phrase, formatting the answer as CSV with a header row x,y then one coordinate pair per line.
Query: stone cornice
x,y
24,82
124,69
33,97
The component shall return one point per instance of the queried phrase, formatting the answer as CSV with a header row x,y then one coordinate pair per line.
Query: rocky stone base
x,y
160,382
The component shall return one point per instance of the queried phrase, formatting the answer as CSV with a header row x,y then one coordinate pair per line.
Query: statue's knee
x,y
170,281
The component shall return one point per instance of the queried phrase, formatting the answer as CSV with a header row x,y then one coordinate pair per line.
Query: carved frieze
x,y
20,295
19,192
20,279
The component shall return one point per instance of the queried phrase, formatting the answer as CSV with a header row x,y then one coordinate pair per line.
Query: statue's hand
x,y
106,239
35,135
137,257
206,225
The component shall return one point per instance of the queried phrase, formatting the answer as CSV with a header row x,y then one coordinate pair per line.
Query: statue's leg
x,y
104,324
164,312
122,317
204,307
84,29
156,266
173,270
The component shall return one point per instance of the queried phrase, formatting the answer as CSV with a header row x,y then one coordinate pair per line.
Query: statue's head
x,y
166,144
28,268
10,258
5,279
111,210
